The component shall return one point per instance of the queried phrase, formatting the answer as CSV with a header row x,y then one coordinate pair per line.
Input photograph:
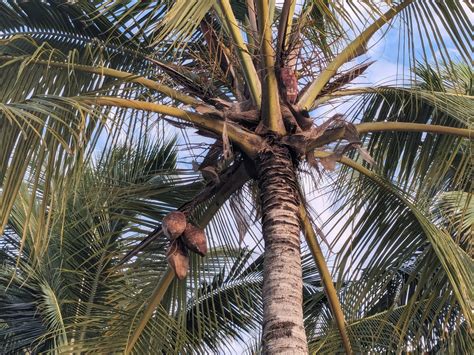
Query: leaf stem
x,y
271,112
248,68
246,140
151,84
369,90
413,127
154,301
331,293
284,27
452,258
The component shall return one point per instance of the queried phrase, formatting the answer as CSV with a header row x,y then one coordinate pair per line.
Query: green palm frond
x,y
227,306
64,25
73,272
381,331
349,36
38,133
455,212
101,224
413,158
384,229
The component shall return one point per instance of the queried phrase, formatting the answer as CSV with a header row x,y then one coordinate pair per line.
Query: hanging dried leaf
x,y
311,159
242,218
300,141
226,150
174,224
195,239
351,134
209,173
329,162
178,259
365,155
204,109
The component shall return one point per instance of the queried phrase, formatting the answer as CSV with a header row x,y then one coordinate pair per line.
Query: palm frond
x,y
389,230
74,288
413,158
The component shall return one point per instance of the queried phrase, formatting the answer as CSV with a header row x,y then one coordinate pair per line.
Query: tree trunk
x,y
283,329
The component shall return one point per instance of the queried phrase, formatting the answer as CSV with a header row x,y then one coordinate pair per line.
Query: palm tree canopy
x,y
92,96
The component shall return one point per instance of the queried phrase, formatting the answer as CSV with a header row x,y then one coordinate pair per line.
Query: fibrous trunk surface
x,y
283,329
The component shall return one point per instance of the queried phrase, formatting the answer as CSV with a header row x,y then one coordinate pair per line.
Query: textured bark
x,y
283,329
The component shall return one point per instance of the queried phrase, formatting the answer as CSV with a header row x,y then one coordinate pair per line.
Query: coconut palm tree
x,y
253,78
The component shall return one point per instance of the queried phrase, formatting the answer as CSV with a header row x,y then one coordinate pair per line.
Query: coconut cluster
x,y
183,236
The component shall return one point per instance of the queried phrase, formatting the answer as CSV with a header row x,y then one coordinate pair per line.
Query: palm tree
x,y
250,77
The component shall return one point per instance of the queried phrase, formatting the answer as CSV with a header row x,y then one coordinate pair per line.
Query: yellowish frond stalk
x,y
335,134
286,22
151,84
252,18
289,21
246,140
272,10
353,50
271,112
413,127
154,301
248,68
331,293
369,90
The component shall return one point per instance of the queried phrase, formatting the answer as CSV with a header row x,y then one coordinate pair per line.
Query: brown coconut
x,y
195,239
174,224
178,259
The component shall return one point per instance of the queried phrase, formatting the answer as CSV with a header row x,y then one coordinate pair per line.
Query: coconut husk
x,y
178,259
195,239
174,224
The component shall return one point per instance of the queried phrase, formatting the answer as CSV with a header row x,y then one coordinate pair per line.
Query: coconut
x,y
178,259
174,224
195,239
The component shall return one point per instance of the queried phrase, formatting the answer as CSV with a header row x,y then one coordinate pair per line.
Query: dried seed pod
x,y
195,239
178,259
174,224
